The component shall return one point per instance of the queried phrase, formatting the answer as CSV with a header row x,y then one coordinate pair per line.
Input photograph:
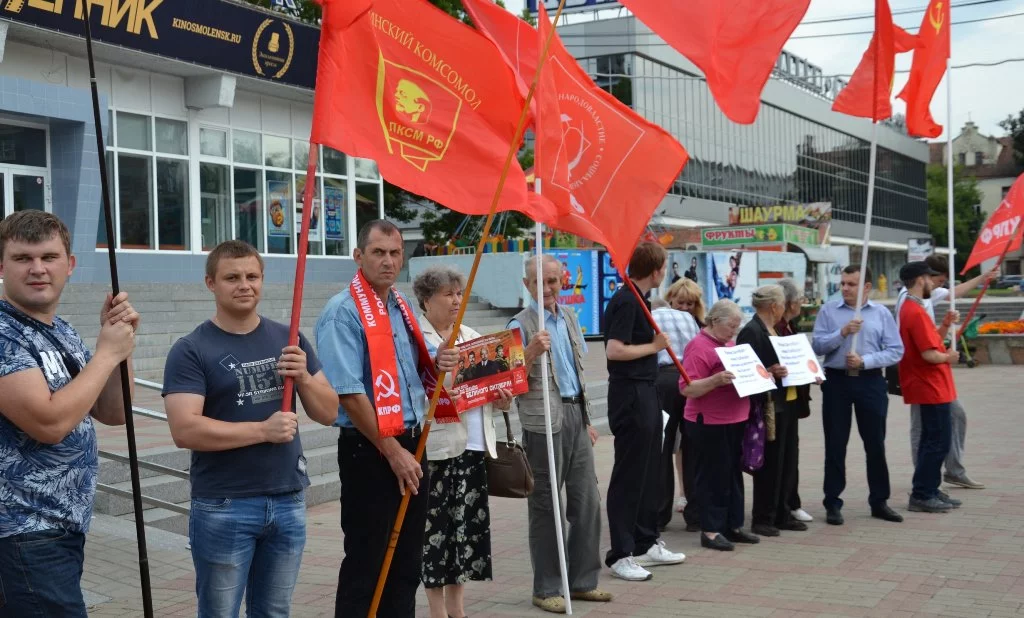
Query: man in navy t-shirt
x,y
223,386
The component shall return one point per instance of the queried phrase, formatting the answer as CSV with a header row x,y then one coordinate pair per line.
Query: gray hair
x,y
433,280
768,295
659,303
723,310
531,264
790,290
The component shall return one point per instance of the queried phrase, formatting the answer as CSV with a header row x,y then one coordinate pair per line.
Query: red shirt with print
x,y
921,381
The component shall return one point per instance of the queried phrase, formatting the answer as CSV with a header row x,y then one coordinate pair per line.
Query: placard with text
x,y
487,364
751,376
796,354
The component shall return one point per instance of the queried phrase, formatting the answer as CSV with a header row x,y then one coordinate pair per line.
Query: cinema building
x,y
207,113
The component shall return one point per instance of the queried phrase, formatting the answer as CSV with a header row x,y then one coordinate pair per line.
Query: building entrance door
x,y
24,188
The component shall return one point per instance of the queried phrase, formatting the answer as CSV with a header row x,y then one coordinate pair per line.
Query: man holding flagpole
x,y
573,439
375,357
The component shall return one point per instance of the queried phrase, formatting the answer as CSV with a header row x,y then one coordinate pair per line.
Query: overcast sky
x,y
985,95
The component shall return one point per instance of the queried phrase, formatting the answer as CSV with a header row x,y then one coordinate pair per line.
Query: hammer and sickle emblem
x,y
936,17
385,384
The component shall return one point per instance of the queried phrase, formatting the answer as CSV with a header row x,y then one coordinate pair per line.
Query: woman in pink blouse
x,y
715,419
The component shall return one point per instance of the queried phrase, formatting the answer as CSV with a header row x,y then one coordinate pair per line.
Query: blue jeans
x,y
251,545
41,575
936,435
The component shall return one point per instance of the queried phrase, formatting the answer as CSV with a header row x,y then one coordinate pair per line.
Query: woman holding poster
x,y
715,417
457,536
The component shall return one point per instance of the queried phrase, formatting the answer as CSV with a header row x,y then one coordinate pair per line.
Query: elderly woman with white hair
x,y
457,536
715,417
774,480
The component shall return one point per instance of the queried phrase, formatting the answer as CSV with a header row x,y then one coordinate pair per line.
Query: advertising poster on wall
x,y
609,282
733,276
918,249
692,265
489,363
279,207
334,206
829,275
315,227
579,276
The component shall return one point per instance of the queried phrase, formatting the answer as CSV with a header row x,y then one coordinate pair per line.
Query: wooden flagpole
x,y
429,419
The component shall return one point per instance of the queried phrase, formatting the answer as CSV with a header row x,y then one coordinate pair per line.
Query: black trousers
x,y
775,482
634,491
718,474
369,505
673,402
867,396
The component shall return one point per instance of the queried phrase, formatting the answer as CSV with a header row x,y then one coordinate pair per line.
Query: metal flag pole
x,y
115,287
428,420
553,476
949,193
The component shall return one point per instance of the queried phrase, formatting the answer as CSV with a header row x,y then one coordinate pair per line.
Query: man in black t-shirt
x,y
223,389
634,417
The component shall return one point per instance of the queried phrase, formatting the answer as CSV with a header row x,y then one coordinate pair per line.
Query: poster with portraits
x,y
487,364
733,275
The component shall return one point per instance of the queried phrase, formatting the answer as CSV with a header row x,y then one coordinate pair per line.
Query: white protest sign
x,y
751,376
796,354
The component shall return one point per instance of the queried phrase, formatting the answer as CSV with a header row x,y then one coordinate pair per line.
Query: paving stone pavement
x,y
967,563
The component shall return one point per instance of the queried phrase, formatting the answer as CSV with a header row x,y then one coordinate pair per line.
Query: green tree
x,y
1015,128
966,197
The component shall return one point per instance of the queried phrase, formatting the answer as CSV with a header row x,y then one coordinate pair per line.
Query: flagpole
x,y
553,475
657,329
867,233
115,288
977,301
428,420
949,192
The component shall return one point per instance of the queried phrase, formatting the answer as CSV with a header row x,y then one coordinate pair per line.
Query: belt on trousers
x,y
352,432
574,399
866,373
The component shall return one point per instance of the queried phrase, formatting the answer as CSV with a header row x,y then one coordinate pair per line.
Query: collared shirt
x,y
345,357
928,304
561,350
681,328
879,343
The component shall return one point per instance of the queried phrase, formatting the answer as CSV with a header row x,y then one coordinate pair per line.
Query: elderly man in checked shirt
x,y
854,380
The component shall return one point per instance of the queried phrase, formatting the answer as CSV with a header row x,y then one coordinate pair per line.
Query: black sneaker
x,y
764,530
932,505
953,502
793,524
739,536
833,516
885,512
719,543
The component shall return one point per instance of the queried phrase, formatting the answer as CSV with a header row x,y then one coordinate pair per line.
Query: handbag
x,y
509,474
754,437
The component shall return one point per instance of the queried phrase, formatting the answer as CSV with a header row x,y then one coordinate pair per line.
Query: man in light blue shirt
x,y
854,383
369,466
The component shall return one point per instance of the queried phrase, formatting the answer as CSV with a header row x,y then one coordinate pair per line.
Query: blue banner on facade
x,y
222,35
579,274
610,283
334,206
573,6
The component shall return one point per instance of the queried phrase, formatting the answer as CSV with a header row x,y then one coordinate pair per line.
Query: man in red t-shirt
x,y
926,379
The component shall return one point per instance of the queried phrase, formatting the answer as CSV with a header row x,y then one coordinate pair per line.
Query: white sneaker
x,y
627,569
801,515
658,555
680,504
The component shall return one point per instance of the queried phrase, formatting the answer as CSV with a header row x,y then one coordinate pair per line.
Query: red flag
x,y
1002,228
427,97
870,89
604,167
515,39
735,43
927,70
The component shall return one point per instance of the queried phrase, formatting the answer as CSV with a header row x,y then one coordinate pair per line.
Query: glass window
x,y
249,206
301,149
365,168
134,175
334,161
172,203
277,151
28,192
213,142
367,203
280,212
22,145
335,209
101,225
315,246
214,204
246,147
171,136
133,131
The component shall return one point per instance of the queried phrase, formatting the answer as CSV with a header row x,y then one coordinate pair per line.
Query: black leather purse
x,y
509,474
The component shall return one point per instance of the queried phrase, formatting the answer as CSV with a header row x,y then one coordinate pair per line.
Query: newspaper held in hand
x,y
751,375
487,364
796,355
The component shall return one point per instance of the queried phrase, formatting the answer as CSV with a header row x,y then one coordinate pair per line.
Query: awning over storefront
x,y
818,255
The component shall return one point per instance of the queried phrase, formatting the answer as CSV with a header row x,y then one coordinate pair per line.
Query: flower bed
x,y
1015,327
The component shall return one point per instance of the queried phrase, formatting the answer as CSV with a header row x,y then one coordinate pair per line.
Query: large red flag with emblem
x,y
870,89
734,42
1002,228
424,95
927,70
604,167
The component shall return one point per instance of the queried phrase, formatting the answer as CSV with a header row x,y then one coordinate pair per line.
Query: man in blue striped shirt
x,y
855,384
